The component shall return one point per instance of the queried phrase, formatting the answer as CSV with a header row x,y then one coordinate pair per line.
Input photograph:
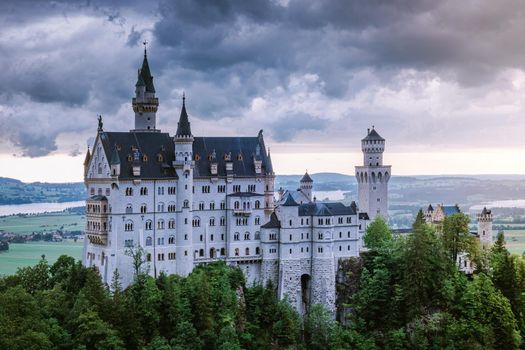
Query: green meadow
x,y
515,241
42,223
28,254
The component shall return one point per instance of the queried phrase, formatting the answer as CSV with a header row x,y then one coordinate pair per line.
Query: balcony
x,y
242,212
97,237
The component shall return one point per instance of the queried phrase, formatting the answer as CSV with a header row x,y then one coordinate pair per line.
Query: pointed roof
x,y
290,202
115,159
430,208
183,126
140,80
145,74
373,135
485,211
88,157
269,165
306,178
273,223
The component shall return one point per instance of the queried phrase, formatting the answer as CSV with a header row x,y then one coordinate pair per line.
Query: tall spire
x,y
145,73
183,126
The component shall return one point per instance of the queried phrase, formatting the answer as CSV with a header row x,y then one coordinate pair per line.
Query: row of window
x,y
99,191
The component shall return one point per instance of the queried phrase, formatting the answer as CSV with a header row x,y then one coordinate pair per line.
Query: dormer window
x,y
130,158
160,158
239,156
197,157
144,158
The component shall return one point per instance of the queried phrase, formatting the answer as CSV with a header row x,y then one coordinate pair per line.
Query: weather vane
x,y
100,124
145,43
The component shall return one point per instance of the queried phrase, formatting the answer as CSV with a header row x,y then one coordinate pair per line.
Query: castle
x,y
189,200
435,216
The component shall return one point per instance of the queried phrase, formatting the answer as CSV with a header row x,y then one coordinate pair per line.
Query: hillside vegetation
x,y
17,192
404,293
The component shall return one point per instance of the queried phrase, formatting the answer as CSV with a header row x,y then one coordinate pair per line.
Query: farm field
x,y
42,223
515,240
28,254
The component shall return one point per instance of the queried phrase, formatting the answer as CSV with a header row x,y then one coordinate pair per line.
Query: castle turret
x,y
184,168
485,226
373,176
145,104
306,185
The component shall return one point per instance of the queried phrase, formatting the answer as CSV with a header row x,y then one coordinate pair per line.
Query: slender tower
x,y
184,167
306,185
373,176
485,227
145,104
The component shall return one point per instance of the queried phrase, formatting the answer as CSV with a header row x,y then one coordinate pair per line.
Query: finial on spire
x,y
145,43
373,127
183,97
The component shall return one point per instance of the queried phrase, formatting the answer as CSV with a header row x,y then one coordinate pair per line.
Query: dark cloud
x,y
287,127
79,58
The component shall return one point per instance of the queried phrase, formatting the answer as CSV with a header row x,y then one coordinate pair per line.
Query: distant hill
x,y
14,191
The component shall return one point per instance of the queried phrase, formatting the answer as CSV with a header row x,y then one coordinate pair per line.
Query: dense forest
x,y
403,293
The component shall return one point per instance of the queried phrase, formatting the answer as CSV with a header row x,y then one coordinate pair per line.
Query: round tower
x,y
306,185
485,226
184,168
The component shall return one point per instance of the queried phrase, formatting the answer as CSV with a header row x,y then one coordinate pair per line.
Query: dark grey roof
x,y
154,144
364,216
140,80
306,178
239,149
373,135
485,211
132,146
146,74
245,194
88,157
430,208
98,197
273,223
183,126
451,209
115,159
290,202
325,209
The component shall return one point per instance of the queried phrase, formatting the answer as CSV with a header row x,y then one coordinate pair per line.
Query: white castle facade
x,y
189,200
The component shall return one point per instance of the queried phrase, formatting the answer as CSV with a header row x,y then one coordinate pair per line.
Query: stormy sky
x,y
442,81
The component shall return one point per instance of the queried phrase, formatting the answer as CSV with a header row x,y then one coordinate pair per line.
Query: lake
x,y
36,208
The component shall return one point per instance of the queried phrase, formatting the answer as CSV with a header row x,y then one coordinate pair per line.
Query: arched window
x,y
160,206
247,251
236,205
257,220
149,225
212,253
171,223
257,235
143,209
212,221
236,251
257,250
257,204
171,240
186,204
201,252
223,251
160,224
128,226
149,241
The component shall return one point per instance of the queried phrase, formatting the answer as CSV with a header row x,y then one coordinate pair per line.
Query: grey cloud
x,y
288,126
